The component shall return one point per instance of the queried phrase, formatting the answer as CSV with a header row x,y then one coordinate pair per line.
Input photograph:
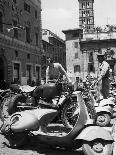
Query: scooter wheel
x,y
67,112
97,147
14,102
103,119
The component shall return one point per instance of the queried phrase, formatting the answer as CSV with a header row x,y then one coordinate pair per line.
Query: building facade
x,y
87,47
20,41
74,58
86,14
54,47
92,44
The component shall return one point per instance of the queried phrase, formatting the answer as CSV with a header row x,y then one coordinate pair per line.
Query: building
x,y
92,44
82,50
20,41
54,47
84,43
86,15
74,57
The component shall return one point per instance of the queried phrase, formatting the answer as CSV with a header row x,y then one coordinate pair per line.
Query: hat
x,y
100,55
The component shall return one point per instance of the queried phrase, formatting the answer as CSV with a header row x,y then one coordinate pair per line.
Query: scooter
x,y
93,139
104,110
103,107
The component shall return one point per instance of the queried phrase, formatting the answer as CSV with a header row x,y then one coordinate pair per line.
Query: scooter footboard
x,y
91,133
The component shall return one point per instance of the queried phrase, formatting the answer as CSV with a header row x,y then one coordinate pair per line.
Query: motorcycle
x,y
57,95
6,96
93,139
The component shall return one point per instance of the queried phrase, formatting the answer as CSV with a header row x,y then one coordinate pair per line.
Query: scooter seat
x,y
27,88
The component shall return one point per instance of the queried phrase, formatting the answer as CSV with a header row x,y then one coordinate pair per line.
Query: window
x,y
16,70
28,74
16,53
91,67
75,44
28,34
91,57
35,14
28,56
14,1
15,29
37,73
76,55
27,7
36,38
77,68
1,22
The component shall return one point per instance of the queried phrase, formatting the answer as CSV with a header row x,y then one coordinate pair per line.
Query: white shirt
x,y
104,68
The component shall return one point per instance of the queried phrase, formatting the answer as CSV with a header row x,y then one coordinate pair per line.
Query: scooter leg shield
x,y
30,120
20,122
103,109
91,133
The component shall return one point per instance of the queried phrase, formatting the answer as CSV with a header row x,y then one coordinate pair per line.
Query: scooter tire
x,y
103,119
66,114
97,147
13,105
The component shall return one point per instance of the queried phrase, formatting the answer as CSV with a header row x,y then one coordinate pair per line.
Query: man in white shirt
x,y
103,75
54,71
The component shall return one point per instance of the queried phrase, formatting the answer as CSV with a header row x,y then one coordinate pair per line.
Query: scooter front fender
x,y
91,133
108,110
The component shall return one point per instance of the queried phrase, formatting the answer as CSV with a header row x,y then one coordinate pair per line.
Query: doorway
x,y
2,75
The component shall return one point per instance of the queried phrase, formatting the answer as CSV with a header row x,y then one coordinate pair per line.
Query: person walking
x,y
104,74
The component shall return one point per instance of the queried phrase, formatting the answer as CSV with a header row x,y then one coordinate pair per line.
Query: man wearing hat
x,y
103,75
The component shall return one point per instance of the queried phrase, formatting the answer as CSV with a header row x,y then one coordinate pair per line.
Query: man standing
x,y
54,71
103,75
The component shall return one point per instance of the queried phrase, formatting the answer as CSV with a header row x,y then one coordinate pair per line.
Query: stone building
x,y
82,50
20,41
54,47
74,57
92,44
84,43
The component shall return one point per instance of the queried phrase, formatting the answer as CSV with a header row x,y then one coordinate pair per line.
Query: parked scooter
x,y
7,95
57,95
104,111
103,107
93,139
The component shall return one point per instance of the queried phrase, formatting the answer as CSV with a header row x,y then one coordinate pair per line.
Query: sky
x,y
58,15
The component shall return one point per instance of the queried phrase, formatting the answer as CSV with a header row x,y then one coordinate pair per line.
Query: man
x,y
103,75
54,71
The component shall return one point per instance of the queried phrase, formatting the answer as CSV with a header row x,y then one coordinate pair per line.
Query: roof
x,y
72,30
